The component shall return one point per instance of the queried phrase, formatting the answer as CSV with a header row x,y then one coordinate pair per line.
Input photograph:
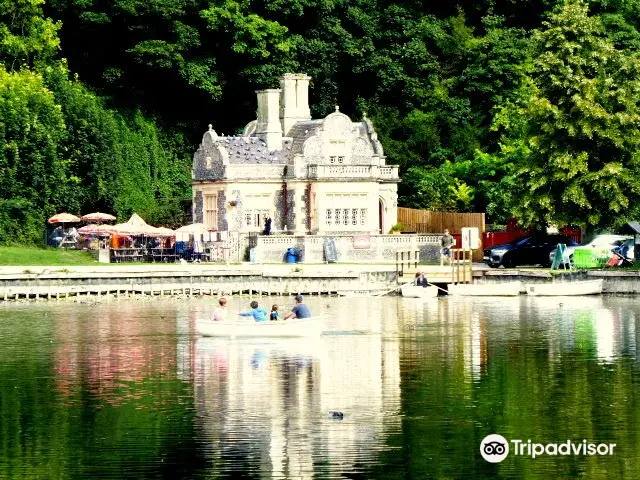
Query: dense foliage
x,y
526,108
64,150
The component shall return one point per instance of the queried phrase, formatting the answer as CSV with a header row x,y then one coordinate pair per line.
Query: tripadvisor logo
x,y
495,448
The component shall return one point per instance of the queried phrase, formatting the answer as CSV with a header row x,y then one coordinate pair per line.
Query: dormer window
x,y
333,159
340,159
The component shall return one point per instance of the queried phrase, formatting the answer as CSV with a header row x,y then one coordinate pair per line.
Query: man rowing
x,y
300,310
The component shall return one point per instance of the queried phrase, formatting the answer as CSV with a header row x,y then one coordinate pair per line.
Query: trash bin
x,y
293,255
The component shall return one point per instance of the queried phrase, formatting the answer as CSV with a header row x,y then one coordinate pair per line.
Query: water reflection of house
x,y
608,333
278,394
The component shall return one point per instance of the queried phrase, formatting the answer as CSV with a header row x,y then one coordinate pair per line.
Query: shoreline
x,y
55,282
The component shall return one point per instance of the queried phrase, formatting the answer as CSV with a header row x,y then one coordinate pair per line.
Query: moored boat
x,y
559,289
415,291
303,327
364,292
503,289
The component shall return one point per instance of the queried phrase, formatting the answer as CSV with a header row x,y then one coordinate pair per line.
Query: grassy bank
x,y
17,256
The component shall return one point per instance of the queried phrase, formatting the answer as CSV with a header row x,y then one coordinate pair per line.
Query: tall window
x,y
363,216
338,215
211,211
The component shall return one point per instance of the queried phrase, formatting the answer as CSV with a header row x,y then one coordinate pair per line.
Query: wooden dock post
x,y
406,263
461,265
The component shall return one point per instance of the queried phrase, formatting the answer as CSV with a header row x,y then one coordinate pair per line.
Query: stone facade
x,y
320,177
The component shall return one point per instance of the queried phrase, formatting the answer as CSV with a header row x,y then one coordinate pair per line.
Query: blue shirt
x,y
258,314
301,311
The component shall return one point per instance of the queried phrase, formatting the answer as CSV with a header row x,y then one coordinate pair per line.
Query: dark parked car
x,y
531,250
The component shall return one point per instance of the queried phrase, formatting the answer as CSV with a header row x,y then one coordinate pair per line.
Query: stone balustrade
x,y
389,172
380,249
351,172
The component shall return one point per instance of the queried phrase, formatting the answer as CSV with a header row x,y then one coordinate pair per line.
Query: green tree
x,y
126,162
26,37
573,135
33,175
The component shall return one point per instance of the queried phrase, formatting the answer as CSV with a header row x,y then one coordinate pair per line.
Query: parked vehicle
x,y
530,250
603,244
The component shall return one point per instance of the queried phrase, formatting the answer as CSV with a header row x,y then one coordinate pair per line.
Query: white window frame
x,y
210,210
346,211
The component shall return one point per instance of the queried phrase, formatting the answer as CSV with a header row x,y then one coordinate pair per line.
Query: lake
x,y
126,390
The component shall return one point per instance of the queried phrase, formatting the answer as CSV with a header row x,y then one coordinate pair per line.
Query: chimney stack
x,y
269,128
295,100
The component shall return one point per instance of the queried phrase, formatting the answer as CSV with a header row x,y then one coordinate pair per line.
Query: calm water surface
x,y
126,390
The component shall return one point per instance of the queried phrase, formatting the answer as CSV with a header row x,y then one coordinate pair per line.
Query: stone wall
x,y
351,248
184,281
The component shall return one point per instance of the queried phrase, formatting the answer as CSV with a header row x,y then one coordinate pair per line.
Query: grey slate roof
x,y
252,150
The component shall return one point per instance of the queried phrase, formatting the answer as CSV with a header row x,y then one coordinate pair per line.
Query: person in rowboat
x,y
220,313
300,310
258,313
421,280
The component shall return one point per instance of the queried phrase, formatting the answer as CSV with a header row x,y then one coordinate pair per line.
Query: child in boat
x,y
220,313
274,315
258,313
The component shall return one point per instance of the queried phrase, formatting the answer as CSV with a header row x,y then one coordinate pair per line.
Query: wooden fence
x,y
425,221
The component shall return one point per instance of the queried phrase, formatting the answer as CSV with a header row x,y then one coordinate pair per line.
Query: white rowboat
x,y
415,291
504,289
559,289
303,327
364,293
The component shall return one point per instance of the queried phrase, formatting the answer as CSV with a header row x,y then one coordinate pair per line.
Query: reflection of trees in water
x,y
548,372
418,398
108,350
83,420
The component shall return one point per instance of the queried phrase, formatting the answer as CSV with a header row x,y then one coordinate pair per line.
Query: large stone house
x,y
311,176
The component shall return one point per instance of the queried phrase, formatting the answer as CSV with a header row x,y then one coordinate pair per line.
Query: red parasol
x,y
64,218
98,217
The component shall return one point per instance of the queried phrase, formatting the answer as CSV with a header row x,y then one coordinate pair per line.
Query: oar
x,y
411,283
439,288
394,289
